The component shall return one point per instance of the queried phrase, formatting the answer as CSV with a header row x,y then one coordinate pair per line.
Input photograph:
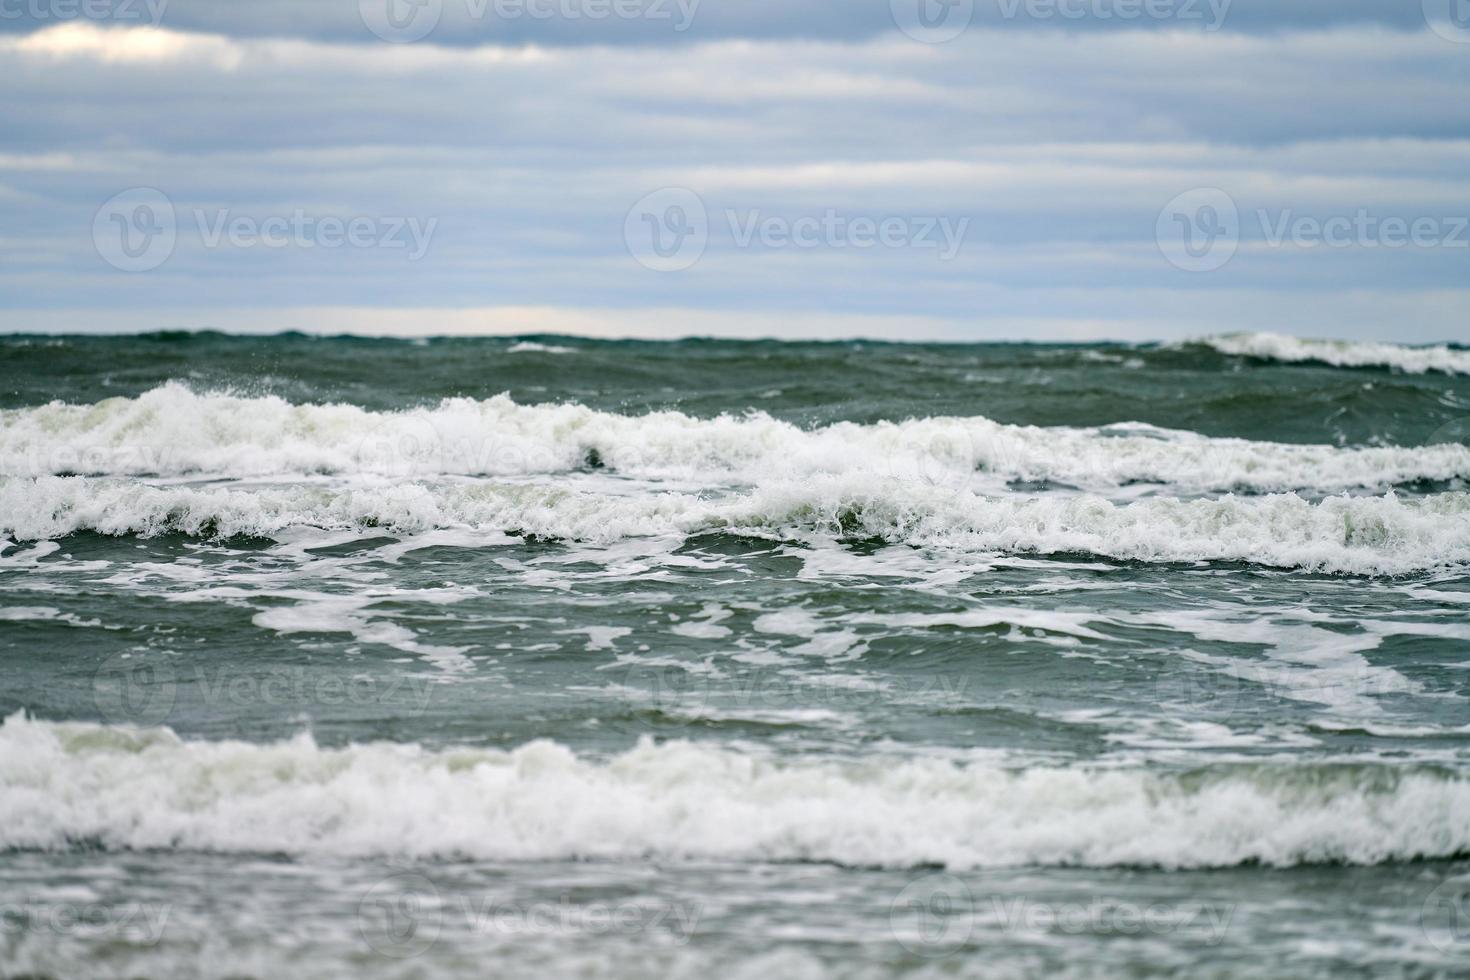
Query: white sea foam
x,y
43,614
67,784
1369,535
173,431
1343,353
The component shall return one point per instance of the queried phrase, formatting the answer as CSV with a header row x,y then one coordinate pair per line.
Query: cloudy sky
x,y
947,169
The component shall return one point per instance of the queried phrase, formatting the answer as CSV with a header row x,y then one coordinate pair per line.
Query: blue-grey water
x,y
333,657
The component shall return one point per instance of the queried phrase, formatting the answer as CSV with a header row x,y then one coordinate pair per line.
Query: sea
x,y
555,657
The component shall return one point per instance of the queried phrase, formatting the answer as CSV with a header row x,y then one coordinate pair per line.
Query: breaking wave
x,y
173,431
1343,353
70,784
1365,535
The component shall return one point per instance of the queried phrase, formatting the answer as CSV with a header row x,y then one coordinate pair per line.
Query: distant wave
x,y
1360,535
1343,353
87,785
173,431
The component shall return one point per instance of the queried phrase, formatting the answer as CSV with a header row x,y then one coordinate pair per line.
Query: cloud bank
x,y
778,171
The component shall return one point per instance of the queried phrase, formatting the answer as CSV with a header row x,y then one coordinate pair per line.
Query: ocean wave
x,y
1343,353
173,431
1363,535
73,784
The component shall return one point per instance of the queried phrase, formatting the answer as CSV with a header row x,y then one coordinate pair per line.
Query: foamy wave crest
x,y
1365,535
1343,353
79,784
172,431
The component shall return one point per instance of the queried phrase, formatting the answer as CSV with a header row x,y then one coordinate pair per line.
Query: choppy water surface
x,y
338,657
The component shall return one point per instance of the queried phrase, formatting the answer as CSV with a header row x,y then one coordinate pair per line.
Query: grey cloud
x,y
662,22
1060,153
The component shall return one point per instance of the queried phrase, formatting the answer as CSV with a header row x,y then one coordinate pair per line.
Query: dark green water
x,y
545,656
